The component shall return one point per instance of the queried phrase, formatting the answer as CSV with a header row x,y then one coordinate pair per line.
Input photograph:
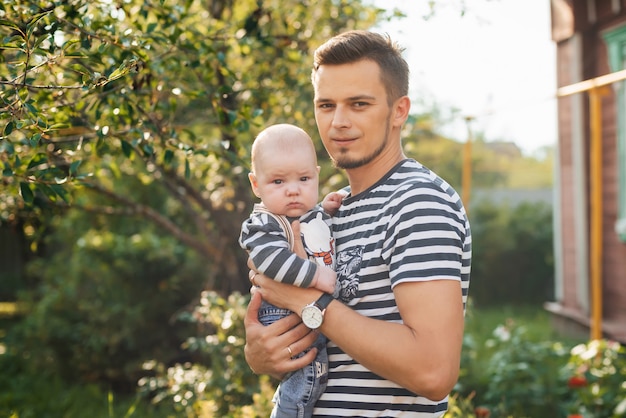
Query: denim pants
x,y
297,393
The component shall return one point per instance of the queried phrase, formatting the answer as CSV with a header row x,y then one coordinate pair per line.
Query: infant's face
x,y
287,183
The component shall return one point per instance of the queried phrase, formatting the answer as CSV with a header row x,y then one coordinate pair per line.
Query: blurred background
x,y
126,130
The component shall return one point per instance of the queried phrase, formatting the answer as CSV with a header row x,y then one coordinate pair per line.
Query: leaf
x,y
32,25
34,140
37,160
26,192
9,128
127,149
10,24
61,192
148,150
74,167
168,156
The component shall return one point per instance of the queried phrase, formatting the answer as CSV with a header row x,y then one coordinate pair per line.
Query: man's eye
x,y
360,104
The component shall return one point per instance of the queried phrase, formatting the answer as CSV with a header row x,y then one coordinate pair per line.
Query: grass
x,y
481,323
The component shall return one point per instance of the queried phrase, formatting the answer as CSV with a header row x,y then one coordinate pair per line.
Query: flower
x,y
577,382
502,333
482,412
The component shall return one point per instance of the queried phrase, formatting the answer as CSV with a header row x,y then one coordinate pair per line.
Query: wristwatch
x,y
313,313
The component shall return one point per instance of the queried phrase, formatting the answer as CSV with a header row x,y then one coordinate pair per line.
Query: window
x,y
616,44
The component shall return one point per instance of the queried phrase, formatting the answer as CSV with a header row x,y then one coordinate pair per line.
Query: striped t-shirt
x,y
269,240
410,226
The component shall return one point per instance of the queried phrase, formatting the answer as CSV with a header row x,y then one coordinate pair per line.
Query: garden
x,y
514,365
125,134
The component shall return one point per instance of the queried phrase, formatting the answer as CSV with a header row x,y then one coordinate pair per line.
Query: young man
x,y
403,248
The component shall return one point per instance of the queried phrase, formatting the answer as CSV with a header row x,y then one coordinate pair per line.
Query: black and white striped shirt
x,y
410,226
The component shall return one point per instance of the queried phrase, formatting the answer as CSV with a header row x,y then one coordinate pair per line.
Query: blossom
x,y
577,382
482,412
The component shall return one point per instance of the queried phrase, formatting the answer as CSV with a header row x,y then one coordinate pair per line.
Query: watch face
x,y
312,317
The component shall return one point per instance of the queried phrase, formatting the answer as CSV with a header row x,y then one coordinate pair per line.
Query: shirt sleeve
x,y
266,242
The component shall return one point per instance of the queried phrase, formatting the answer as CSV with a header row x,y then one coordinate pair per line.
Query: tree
x,y
161,94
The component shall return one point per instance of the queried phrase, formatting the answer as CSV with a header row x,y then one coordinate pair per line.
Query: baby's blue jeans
x,y
297,393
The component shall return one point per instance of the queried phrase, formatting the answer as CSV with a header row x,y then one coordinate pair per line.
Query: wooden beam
x,y
603,80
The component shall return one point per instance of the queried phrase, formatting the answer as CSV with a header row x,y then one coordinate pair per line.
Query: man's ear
x,y
401,110
254,183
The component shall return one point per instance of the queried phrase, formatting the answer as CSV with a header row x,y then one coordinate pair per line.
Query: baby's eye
x,y
277,181
305,178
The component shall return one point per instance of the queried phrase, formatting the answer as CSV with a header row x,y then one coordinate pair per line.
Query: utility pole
x,y
467,166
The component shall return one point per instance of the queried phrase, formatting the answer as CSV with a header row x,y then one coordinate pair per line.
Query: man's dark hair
x,y
352,46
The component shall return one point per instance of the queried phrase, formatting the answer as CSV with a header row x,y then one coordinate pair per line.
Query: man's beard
x,y
347,163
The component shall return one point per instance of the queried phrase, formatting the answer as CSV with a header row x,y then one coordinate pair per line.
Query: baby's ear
x,y
254,183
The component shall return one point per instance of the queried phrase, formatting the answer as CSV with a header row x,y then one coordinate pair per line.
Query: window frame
x,y
616,46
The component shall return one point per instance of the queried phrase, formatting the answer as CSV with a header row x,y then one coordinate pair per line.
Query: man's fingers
x,y
298,246
252,314
307,358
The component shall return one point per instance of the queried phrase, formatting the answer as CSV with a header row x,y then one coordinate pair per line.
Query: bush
x,y
28,393
104,303
596,375
524,376
512,254
220,383
520,369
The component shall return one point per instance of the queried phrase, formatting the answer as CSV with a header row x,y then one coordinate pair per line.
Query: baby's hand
x,y
332,202
325,279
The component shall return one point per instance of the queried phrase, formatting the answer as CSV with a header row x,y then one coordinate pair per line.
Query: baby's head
x,y
284,170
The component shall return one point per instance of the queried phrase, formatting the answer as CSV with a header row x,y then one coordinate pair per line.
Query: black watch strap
x,y
324,301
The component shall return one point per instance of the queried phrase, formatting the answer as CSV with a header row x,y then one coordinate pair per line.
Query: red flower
x,y
575,416
577,382
482,412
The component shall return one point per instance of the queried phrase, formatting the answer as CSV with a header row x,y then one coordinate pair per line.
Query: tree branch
x,y
137,209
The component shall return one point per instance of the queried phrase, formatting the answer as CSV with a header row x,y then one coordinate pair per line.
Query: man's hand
x,y
269,349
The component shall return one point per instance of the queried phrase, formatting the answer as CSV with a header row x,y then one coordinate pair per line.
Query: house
x,y
590,177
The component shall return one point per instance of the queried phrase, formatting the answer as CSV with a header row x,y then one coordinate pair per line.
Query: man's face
x,y
352,113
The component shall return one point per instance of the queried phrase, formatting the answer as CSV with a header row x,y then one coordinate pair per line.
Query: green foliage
x,y
596,375
512,253
521,368
494,164
524,374
105,300
528,378
511,364
26,392
169,94
460,407
512,370
220,383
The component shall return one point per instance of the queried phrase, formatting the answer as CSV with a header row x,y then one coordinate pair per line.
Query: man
x,y
403,247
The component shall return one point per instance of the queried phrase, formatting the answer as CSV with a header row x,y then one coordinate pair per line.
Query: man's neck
x,y
362,178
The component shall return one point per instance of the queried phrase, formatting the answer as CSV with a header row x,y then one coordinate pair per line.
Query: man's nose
x,y
340,118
